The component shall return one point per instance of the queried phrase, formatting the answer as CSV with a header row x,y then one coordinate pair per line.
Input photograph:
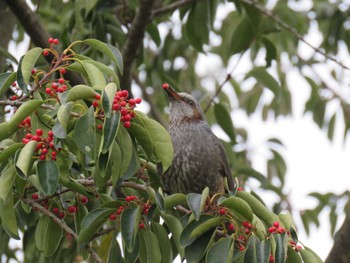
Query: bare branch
x,y
170,8
293,31
228,77
134,40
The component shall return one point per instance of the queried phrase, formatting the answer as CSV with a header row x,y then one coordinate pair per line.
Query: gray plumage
x,y
199,158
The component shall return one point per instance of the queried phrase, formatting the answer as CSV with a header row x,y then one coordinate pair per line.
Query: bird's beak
x,y
171,92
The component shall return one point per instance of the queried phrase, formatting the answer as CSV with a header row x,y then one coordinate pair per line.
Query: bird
x,y
199,159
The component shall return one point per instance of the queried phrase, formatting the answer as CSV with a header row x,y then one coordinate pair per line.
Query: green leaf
x,y
129,225
63,114
21,113
143,138
84,133
91,224
109,50
198,24
9,151
223,118
175,199
153,31
264,78
7,179
239,207
8,217
176,228
25,66
149,247
195,229
220,251
80,92
164,242
271,51
160,139
6,79
197,201
108,97
197,249
95,75
243,35
109,132
317,258
258,251
48,235
258,208
331,126
25,159
293,256
281,247
48,174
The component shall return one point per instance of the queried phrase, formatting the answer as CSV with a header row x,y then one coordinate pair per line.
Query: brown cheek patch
x,y
196,115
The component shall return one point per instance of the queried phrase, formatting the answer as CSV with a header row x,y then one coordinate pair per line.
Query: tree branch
x,y
293,31
340,252
62,225
170,8
39,36
134,40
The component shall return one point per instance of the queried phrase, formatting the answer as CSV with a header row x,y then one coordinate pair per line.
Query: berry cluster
x,y
56,87
276,228
26,123
52,41
125,106
44,146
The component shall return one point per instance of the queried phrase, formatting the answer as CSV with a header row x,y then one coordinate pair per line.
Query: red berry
x,y
48,91
125,93
33,71
99,126
128,198
35,196
138,100
25,141
119,211
27,121
63,71
55,41
14,84
36,138
14,97
54,85
112,217
39,145
230,227
271,259
53,158
64,87
72,209
240,189
44,151
39,132
95,103
127,124
141,225
52,145
42,157
222,211
127,117
246,224
60,89
241,248
276,224
280,230
120,93
61,80
132,102
50,40
50,134
116,106
55,210
123,103
54,154
97,96
165,86
272,229
61,215
45,53
146,211
84,199
123,112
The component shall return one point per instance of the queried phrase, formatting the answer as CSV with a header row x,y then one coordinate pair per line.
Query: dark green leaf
x,y
6,79
7,179
48,174
264,78
129,225
196,250
223,118
197,201
149,247
110,129
281,247
220,251
8,217
164,242
257,251
24,161
242,36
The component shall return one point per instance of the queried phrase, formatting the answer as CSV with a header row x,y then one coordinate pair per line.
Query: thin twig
x,y
293,31
170,8
62,225
228,77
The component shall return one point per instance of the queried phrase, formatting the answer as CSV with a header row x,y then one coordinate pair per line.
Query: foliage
x,y
100,152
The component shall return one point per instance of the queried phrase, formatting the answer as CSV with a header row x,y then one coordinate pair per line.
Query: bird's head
x,y
183,106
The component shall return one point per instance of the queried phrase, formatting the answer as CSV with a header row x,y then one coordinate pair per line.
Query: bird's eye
x,y
191,103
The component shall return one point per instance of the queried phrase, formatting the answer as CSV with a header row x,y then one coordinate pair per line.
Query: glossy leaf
x,y
242,37
109,50
223,118
9,151
48,235
22,112
317,258
26,64
96,77
80,92
6,79
48,174
175,199
258,251
129,225
24,161
164,242
8,217
108,97
281,247
7,180
63,114
149,247
196,250
220,251
109,132
143,138
84,133
197,201
91,223
176,228
239,207
264,78
293,256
